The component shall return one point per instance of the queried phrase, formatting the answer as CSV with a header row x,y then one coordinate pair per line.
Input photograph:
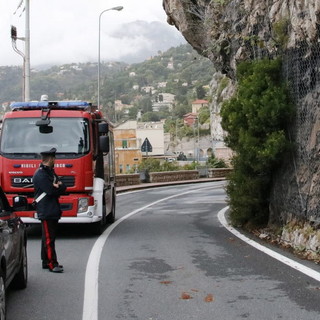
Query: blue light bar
x,y
50,104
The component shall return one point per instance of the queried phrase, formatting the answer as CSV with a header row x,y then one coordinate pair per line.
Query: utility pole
x,y
27,53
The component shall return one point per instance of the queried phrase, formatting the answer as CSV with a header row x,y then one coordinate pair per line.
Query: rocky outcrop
x,y
230,31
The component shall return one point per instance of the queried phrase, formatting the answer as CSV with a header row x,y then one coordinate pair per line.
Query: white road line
x,y
291,263
90,303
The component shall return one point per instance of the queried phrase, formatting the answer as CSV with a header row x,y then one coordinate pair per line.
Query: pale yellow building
x,y
127,148
129,137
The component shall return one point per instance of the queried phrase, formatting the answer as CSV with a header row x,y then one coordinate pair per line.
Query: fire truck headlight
x,y
83,205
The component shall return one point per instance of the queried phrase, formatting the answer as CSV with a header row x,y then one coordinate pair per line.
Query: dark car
x,y
13,249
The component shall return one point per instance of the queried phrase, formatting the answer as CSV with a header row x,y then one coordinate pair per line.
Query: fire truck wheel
x,y
98,227
111,217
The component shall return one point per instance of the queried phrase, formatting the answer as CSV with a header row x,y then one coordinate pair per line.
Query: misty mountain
x,y
152,37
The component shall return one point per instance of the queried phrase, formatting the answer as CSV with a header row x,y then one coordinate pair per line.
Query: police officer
x,y
48,188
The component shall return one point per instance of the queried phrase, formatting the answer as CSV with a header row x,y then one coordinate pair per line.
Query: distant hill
x,y
180,71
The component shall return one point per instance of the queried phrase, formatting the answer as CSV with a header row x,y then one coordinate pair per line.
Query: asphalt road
x,y
167,257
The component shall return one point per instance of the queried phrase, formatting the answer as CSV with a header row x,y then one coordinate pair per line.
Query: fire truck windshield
x,y
21,136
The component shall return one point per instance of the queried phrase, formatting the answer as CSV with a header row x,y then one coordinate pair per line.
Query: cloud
x,y
65,31
136,41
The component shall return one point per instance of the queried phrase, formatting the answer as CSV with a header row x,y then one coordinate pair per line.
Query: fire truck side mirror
x,y
20,203
45,129
104,144
103,127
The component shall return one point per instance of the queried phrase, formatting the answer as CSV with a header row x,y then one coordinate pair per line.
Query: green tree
x,y
133,111
213,162
201,92
145,104
204,115
150,116
181,109
256,119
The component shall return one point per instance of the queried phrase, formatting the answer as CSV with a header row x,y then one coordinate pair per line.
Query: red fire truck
x,y
84,158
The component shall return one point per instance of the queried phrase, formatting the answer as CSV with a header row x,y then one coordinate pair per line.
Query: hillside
x,y
179,71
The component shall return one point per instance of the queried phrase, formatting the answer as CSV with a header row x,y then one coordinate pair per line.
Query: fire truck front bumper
x,y
88,216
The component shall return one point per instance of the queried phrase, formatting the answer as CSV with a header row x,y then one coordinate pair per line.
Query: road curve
x,y
174,260
166,257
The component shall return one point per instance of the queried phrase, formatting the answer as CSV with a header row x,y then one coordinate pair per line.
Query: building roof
x,y
190,115
199,101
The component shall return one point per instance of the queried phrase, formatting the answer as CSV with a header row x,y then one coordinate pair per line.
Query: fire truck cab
x,y
84,158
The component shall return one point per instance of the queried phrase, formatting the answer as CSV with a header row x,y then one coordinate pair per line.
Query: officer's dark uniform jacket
x,y
48,208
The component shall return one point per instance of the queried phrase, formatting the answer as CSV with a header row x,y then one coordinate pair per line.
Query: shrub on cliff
x,y
214,162
154,165
255,120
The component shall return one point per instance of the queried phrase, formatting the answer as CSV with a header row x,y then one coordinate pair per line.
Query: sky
x,y
67,31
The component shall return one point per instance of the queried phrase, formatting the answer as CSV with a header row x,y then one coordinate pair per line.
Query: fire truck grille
x,y
26,181
69,181
22,182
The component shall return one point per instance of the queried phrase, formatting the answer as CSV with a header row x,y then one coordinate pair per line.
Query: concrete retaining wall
x,y
219,172
168,176
174,175
127,179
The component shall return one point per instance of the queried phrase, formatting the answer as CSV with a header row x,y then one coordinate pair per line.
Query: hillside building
x,y
163,100
198,104
129,137
190,119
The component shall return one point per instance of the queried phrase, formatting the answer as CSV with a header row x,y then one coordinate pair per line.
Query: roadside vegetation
x,y
155,165
256,119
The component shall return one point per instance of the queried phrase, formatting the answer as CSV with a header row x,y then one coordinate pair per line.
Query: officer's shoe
x,y
46,266
56,269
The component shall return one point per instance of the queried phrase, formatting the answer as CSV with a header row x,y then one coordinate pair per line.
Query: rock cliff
x,y
230,31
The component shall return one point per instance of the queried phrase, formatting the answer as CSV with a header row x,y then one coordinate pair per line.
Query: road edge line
x,y
291,263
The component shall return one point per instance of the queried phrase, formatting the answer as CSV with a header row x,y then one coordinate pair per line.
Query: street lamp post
x,y
119,8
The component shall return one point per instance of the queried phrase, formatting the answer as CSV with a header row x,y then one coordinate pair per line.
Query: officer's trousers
x,y
48,250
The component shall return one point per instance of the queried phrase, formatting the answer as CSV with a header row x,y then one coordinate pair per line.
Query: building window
x,y
124,144
128,168
120,168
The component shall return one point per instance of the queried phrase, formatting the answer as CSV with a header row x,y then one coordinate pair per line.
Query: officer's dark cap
x,y
49,153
